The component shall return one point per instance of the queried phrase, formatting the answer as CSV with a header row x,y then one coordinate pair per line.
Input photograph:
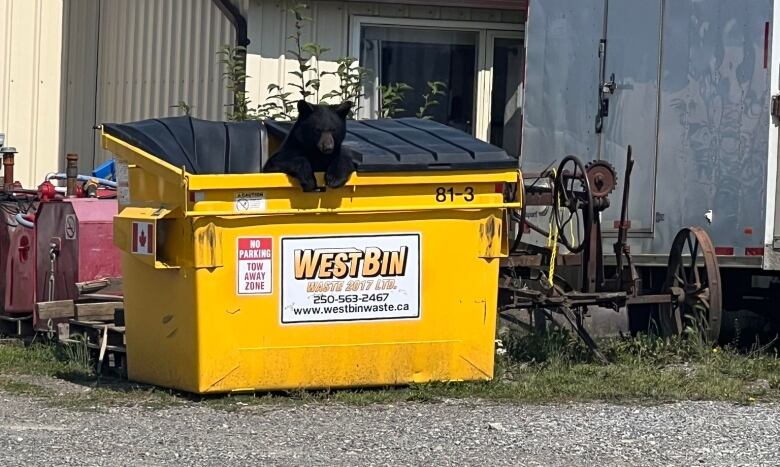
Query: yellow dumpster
x,y
238,281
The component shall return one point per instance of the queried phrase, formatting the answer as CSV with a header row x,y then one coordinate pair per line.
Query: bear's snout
x,y
326,144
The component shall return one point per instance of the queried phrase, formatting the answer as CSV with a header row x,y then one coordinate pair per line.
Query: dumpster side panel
x,y
244,344
159,316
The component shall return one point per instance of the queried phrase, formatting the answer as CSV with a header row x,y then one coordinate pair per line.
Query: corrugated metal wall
x,y
30,83
270,25
80,74
149,56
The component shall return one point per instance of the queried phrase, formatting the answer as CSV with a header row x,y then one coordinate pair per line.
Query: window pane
x,y
415,57
505,110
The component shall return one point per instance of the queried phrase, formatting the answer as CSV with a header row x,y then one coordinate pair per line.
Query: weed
x,y
76,353
392,97
536,368
431,98
23,388
39,359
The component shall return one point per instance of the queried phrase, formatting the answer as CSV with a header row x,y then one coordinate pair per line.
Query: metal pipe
x,y
233,13
8,168
23,222
84,178
72,173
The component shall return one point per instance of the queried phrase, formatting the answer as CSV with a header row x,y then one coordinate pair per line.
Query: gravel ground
x,y
444,433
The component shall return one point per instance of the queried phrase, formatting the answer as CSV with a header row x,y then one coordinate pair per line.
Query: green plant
x,y
233,58
77,353
184,107
281,102
315,52
351,78
431,98
392,97
308,56
302,53
278,106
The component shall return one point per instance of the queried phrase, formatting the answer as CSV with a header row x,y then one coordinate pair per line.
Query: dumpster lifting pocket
x,y
491,234
208,246
140,232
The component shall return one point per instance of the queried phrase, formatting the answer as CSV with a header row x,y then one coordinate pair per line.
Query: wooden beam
x,y
54,310
96,297
96,311
107,285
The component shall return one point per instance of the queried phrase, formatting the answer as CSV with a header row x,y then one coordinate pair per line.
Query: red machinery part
x,y
81,231
46,191
20,272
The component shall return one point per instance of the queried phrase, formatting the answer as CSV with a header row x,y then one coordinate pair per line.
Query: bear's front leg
x,y
297,167
339,171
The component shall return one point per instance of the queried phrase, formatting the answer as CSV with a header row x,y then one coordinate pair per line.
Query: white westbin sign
x,y
350,278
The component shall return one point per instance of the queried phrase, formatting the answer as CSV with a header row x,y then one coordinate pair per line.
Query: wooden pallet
x,y
97,301
105,342
94,320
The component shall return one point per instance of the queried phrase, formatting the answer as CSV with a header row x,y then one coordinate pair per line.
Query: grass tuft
x,y
551,368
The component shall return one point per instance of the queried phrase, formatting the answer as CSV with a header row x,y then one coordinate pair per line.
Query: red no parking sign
x,y
255,257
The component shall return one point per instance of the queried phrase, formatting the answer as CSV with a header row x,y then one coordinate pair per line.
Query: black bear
x,y
314,145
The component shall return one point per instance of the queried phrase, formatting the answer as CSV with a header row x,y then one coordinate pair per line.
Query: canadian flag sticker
x,y
143,238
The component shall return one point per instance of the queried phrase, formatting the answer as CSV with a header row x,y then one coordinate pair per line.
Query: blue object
x,y
106,170
24,222
84,178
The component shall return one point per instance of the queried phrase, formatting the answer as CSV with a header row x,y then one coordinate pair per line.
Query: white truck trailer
x,y
692,86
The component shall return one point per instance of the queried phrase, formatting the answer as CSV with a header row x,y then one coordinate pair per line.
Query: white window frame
x,y
488,81
487,31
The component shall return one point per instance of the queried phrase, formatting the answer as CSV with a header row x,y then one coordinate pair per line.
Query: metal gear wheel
x,y
602,177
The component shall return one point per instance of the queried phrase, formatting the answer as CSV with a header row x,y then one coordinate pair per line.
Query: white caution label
x,y
355,278
247,201
254,258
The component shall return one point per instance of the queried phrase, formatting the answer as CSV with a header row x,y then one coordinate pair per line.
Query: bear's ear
x,y
304,109
342,109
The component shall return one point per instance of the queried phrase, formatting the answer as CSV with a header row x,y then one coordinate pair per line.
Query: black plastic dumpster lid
x,y
412,144
201,146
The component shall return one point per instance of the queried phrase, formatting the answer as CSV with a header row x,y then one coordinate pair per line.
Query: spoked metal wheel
x,y
572,190
693,278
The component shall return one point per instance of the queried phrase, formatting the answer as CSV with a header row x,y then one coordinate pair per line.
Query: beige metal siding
x,y
148,56
270,25
30,81
80,74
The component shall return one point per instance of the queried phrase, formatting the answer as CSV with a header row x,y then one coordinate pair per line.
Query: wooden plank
x,y
96,311
101,297
107,285
54,310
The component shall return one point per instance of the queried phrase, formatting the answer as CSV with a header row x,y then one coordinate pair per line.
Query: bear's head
x,y
322,127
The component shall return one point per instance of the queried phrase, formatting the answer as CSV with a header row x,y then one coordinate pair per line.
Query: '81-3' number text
x,y
444,194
